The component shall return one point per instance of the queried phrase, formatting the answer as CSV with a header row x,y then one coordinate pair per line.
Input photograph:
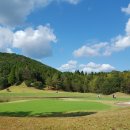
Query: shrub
x,y
3,83
38,84
28,83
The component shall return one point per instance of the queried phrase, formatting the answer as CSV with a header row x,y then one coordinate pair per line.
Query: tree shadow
x,y
15,114
63,114
45,114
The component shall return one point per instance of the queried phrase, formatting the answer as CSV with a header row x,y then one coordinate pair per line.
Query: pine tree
x,y
11,77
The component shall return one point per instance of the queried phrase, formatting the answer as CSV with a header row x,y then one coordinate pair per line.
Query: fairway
x,y
50,107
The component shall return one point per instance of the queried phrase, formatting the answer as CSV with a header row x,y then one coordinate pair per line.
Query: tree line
x,y
15,69
105,83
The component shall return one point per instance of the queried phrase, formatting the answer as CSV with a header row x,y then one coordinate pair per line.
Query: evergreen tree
x,y
11,77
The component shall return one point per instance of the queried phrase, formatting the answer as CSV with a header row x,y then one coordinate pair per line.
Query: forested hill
x,y
15,69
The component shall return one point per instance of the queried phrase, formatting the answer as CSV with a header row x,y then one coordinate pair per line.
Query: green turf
x,y
107,99
85,103
46,94
47,107
84,96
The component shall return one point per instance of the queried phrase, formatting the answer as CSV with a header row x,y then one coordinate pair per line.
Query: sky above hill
x,y
69,35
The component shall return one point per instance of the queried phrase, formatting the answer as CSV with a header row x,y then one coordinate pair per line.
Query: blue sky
x,y
88,35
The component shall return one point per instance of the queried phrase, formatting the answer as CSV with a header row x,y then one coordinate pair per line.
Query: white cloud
x,y
9,50
35,42
85,51
72,1
6,37
31,42
126,10
90,50
116,44
93,67
127,29
15,12
120,42
71,66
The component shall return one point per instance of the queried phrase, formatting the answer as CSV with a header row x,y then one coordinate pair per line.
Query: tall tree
x,y
11,77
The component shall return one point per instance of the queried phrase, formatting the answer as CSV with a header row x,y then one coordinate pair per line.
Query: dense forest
x,y
15,69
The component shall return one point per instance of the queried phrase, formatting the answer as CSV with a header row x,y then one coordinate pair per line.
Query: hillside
x,y
22,88
15,69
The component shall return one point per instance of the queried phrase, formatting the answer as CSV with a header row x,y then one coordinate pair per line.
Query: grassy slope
x,y
22,88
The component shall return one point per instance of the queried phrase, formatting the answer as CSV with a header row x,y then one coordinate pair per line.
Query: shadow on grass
x,y
52,114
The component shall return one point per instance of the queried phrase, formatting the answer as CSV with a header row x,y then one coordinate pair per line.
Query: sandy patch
x,y
72,99
123,103
16,101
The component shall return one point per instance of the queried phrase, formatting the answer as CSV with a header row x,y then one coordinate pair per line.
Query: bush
x,y
18,83
3,83
28,83
38,84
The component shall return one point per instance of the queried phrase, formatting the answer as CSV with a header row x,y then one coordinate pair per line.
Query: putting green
x,y
44,107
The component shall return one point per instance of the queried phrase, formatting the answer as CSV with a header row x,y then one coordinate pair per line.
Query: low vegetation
x,y
4,100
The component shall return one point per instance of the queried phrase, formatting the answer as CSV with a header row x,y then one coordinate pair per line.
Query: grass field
x,y
50,107
24,109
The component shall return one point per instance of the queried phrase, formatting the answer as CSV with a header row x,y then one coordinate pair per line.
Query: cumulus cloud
x,y
71,66
120,42
9,50
15,12
90,50
93,67
126,10
127,29
35,42
6,38
72,1
31,42
116,44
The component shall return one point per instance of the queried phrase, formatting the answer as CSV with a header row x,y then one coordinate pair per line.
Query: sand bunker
x,y
123,103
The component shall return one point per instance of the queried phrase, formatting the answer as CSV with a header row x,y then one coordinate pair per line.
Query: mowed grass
x,y
51,107
22,91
